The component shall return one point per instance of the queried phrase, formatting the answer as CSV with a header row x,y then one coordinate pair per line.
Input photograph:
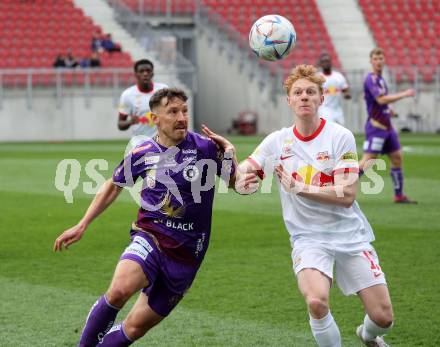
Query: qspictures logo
x,y
160,168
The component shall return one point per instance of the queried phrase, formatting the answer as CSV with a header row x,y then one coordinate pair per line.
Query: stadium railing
x,y
112,80
30,86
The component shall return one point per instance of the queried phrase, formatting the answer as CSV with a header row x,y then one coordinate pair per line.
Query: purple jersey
x,y
378,115
177,192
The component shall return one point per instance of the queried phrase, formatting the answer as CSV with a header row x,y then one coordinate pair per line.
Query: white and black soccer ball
x,y
272,37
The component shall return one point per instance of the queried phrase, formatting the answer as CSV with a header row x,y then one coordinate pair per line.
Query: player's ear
x,y
322,99
288,100
154,118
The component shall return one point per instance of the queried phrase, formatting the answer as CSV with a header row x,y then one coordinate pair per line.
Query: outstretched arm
x,y
245,180
388,99
227,147
106,195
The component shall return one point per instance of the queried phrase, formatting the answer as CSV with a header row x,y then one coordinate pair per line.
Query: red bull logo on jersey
x,y
147,119
332,90
311,176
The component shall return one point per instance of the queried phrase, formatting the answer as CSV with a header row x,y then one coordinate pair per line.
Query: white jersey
x,y
333,86
135,102
314,160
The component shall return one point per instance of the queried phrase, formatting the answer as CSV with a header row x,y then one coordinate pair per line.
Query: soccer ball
x,y
272,37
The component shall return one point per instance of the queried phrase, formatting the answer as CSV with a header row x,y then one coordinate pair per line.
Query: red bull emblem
x,y
309,175
146,119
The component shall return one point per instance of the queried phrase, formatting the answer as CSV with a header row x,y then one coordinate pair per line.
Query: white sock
x,y
371,329
325,331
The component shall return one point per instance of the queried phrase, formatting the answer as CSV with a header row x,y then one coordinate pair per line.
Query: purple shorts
x,y
168,279
380,141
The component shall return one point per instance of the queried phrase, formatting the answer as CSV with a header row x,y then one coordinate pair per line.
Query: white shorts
x,y
354,270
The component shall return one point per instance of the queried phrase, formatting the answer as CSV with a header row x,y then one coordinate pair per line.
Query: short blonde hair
x,y
377,51
308,72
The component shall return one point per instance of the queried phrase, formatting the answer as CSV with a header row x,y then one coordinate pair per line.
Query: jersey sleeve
x,y
124,105
372,87
344,84
129,169
346,159
264,152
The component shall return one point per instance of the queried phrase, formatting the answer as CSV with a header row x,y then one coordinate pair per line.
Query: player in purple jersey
x,y
169,239
380,136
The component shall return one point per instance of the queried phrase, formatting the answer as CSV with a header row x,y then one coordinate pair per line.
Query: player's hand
x,y
134,119
227,146
410,92
68,237
286,180
393,114
246,183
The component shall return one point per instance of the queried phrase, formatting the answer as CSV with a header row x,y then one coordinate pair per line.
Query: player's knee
x,y
318,307
135,332
387,318
384,316
135,328
118,295
396,163
396,160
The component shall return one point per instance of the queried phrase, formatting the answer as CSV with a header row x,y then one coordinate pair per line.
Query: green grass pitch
x,y
245,293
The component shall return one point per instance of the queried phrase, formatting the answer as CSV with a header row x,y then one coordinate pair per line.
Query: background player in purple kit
x,y
381,138
171,234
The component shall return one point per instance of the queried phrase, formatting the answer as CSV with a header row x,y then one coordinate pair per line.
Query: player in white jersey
x,y
134,110
316,163
335,87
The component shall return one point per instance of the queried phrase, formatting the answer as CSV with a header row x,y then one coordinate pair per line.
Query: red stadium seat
x,y
305,15
409,73
428,74
408,25
34,32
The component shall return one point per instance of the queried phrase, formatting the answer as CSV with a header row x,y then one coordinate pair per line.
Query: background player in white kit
x,y
317,166
134,110
335,87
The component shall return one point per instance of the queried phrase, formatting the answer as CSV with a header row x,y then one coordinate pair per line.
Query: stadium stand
x,y
159,7
34,32
408,30
313,38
